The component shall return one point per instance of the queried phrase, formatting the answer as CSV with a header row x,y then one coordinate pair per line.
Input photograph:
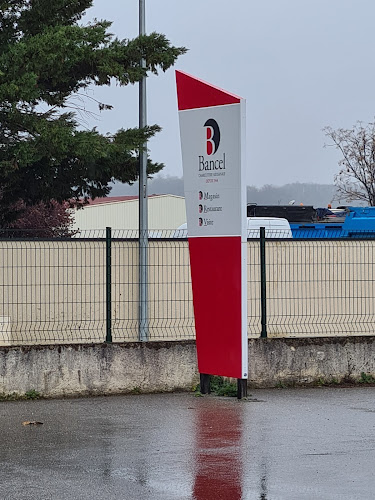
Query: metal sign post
x,y
143,219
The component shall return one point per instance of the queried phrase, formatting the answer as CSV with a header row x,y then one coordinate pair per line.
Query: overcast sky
x,y
300,65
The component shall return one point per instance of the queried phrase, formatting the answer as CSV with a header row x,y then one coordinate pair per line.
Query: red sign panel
x,y
212,130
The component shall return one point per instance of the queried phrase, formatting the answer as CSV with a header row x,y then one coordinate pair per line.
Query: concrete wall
x,y
78,370
310,360
75,370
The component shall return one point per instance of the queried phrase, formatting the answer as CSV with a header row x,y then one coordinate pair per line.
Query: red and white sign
x,y
212,127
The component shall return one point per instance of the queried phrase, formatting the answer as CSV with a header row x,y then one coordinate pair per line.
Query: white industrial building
x,y
165,211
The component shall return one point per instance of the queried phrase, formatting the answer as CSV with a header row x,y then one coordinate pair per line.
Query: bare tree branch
x,y
356,177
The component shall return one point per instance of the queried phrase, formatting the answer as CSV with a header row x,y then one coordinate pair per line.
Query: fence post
x,y
108,297
263,283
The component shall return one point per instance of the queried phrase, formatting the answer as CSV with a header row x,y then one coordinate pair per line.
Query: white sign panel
x,y
211,150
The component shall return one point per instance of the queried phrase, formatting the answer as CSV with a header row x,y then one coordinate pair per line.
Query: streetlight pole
x,y
143,216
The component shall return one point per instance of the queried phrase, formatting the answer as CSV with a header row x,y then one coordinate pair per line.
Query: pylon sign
x,y
212,128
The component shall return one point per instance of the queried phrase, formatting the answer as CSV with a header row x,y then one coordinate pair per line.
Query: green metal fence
x,y
320,287
85,289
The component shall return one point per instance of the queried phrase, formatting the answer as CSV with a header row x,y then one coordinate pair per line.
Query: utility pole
x,y
143,215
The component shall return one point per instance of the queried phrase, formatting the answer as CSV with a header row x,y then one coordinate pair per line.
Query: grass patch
x,y
321,382
366,379
32,394
222,387
281,385
14,396
329,382
219,386
136,390
285,385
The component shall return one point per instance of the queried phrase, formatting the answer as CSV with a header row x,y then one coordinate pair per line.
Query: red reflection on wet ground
x,y
218,464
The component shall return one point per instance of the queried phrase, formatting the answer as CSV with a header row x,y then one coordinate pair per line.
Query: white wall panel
x,y
164,212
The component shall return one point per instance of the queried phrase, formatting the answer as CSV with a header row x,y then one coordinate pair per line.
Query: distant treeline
x,y
318,195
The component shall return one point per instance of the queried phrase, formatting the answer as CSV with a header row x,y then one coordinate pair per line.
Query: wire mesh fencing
x,y
169,307
320,287
52,291
85,288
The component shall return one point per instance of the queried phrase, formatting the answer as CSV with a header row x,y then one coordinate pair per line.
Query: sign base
x,y
241,388
205,383
205,380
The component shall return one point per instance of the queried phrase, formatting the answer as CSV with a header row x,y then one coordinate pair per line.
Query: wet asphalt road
x,y
282,444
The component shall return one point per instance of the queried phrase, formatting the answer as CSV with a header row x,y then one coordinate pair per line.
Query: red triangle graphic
x,y
194,93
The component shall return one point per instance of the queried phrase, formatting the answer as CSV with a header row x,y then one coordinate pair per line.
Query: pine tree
x,y
47,58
